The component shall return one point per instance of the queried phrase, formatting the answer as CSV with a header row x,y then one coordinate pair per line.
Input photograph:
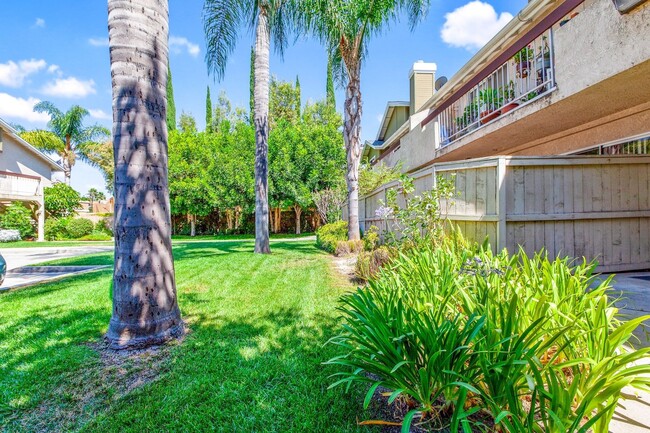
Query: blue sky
x,y
57,51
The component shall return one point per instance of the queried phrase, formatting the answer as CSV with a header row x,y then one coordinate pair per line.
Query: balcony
x,y
17,186
525,77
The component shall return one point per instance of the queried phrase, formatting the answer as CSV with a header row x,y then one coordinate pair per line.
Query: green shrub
x,y
79,227
342,248
56,229
96,236
369,263
355,246
61,200
105,225
371,238
533,342
329,235
18,217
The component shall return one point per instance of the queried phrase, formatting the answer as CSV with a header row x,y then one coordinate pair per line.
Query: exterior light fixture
x,y
624,6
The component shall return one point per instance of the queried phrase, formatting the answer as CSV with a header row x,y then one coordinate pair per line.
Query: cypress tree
x,y
171,107
252,86
298,98
208,112
330,96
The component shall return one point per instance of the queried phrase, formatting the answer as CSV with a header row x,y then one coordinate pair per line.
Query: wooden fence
x,y
596,207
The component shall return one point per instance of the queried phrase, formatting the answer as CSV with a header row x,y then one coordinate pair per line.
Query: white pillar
x,y
41,221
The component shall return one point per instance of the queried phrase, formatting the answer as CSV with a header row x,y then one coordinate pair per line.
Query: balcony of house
x,y
575,78
20,187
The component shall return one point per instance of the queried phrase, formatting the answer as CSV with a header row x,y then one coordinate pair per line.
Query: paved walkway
x,y
19,257
633,414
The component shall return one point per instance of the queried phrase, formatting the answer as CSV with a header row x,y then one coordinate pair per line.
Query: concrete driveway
x,y
19,257
20,274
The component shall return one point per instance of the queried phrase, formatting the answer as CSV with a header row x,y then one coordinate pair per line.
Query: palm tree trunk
x,y
145,308
352,134
262,52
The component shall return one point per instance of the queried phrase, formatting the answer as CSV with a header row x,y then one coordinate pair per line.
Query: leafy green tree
x,y
306,157
208,111
61,200
67,136
190,167
171,105
298,97
18,217
329,88
271,19
346,27
283,102
187,123
222,111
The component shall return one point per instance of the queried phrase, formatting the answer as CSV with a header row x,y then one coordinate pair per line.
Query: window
x,y
640,146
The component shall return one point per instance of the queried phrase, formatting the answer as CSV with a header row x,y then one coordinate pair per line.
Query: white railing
x,y
19,185
528,75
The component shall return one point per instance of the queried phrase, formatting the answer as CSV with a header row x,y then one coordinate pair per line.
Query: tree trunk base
x,y
121,336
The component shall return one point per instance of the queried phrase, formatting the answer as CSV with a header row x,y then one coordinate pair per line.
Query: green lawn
x,y
175,239
250,363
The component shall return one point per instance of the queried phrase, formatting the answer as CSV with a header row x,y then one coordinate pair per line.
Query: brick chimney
x,y
422,81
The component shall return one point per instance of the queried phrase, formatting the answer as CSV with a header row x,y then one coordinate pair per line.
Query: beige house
x,y
545,129
24,172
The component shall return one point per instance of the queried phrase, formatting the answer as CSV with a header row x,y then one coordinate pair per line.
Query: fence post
x,y
501,204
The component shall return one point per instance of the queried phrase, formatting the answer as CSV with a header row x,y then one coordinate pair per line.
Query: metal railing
x,y
19,185
528,75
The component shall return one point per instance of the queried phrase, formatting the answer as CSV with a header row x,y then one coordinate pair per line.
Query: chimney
x,y
422,81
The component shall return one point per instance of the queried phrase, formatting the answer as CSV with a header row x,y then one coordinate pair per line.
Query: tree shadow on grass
x,y
259,373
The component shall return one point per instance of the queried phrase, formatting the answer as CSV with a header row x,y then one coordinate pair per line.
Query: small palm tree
x,y
67,136
145,307
346,27
222,21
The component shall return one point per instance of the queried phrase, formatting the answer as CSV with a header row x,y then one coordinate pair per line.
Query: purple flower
x,y
384,212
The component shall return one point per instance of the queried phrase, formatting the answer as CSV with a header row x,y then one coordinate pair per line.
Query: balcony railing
x,y
528,75
19,185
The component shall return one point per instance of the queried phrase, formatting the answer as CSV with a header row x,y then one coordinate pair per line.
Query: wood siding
x,y
593,207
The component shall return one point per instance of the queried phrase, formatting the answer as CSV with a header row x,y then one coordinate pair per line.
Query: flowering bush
x,y
9,235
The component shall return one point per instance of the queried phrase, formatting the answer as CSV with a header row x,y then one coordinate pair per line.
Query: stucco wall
x,y
602,65
18,159
599,43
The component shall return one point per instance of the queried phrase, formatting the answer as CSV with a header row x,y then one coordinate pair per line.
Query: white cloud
x,y
19,108
13,74
40,22
69,88
98,42
52,69
100,114
471,26
176,44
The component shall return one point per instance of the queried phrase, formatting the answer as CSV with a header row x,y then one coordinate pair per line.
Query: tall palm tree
x,y
222,21
145,308
346,27
67,136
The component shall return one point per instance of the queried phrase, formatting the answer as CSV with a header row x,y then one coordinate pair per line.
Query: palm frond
x,y
43,140
222,19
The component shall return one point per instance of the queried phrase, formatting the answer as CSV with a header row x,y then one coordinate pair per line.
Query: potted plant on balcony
x,y
543,58
523,60
490,102
467,121
508,94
